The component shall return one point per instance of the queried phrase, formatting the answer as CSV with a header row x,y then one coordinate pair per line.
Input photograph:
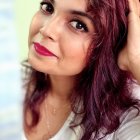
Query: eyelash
x,y
45,10
83,27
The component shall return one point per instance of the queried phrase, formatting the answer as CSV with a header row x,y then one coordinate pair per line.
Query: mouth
x,y
41,50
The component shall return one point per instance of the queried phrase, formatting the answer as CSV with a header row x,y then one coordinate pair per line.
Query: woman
x,y
83,55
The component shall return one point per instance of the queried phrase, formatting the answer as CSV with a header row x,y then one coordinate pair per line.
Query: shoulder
x,y
130,125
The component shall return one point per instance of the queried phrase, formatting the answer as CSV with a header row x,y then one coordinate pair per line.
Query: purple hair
x,y
102,88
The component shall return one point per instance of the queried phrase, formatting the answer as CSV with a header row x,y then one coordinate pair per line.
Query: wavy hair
x,y
102,88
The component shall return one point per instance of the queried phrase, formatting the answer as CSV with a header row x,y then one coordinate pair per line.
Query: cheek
x,y
75,54
76,48
35,26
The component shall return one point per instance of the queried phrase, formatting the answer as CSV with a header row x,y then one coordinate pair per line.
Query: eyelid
x,y
80,21
71,19
45,2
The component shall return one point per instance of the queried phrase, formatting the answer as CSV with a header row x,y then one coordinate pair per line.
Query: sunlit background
x,y
15,17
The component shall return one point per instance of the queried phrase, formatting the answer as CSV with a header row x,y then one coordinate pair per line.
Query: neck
x,y
61,87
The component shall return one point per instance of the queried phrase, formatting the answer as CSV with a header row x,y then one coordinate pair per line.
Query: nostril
x,y
50,37
50,30
45,34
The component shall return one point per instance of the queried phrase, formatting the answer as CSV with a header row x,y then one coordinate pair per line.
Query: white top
x,y
128,130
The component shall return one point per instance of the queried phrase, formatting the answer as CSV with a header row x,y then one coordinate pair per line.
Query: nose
x,y
51,28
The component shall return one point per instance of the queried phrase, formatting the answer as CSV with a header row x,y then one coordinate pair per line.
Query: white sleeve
x,y
130,127
23,137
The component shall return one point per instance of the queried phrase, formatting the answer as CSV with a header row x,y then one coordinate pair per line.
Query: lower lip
x,y
41,50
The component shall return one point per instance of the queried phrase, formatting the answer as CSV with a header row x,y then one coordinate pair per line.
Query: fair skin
x,y
129,58
68,35
59,34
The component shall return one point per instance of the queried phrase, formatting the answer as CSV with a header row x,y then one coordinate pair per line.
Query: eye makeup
x,y
75,18
46,7
79,25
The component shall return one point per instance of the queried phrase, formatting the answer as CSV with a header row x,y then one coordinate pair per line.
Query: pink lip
x,y
42,50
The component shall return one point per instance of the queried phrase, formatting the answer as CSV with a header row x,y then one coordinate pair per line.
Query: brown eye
x,y
79,25
47,7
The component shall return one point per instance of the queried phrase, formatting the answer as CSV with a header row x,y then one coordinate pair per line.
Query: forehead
x,y
80,5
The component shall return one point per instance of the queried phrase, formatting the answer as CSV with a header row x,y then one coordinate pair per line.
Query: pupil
x,y
49,8
79,26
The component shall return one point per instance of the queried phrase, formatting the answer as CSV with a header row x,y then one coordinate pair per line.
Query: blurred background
x,y
15,17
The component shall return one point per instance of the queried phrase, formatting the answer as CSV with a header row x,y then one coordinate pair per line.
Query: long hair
x,y
102,88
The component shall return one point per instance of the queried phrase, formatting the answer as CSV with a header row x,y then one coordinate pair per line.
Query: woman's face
x,y
59,37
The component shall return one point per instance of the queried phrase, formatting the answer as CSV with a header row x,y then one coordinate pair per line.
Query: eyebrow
x,y
52,1
80,13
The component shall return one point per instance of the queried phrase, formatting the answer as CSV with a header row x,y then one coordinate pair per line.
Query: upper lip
x,y
44,48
